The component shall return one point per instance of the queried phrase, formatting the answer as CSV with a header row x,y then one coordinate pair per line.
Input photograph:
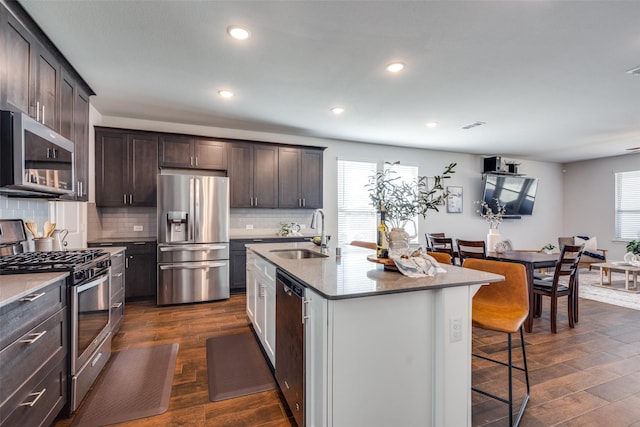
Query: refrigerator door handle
x,y
191,248
192,266
192,211
196,210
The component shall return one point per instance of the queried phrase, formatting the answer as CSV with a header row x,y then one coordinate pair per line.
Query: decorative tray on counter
x,y
387,262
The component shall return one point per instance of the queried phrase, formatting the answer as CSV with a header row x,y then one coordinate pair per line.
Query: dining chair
x,y
368,245
566,266
503,307
429,236
471,249
441,257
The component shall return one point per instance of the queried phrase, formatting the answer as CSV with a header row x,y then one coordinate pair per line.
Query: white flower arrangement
x,y
493,218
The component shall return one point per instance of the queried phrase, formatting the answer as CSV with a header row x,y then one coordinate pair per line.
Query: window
x,y
628,205
357,219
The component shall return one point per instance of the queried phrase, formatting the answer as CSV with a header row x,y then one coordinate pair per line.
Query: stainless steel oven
x,y
90,318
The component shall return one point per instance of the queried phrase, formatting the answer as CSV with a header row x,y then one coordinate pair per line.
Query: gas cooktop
x,y
37,262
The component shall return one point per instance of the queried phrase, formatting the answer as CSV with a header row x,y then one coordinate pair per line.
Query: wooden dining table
x,y
531,262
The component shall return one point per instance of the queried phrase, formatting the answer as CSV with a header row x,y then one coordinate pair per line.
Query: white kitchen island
x,y
382,349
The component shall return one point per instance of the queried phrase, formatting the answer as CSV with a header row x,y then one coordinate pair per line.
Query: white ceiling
x,y
547,76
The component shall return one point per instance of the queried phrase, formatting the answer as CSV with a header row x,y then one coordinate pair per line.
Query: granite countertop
x,y
112,250
16,286
122,239
352,275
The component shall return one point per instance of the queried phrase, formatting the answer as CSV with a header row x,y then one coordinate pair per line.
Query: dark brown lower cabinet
x,y
238,259
33,357
139,268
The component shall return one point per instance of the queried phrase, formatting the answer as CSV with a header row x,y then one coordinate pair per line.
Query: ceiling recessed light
x,y
432,124
225,93
395,67
238,33
337,110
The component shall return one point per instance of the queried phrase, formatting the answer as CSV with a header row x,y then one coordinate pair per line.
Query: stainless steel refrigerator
x,y
193,238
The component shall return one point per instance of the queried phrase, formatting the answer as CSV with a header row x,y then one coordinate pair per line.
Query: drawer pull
x,y
139,243
37,395
32,297
117,305
117,275
36,337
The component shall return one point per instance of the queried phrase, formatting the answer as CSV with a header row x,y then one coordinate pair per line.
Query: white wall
x,y
589,203
545,225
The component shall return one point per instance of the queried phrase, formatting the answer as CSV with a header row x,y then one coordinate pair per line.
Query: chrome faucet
x,y
314,225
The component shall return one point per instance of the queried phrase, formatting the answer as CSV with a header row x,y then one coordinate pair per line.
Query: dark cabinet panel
x,y
175,152
265,182
311,175
192,153
300,178
111,168
143,170
67,104
126,168
241,175
210,154
289,178
46,88
19,47
81,140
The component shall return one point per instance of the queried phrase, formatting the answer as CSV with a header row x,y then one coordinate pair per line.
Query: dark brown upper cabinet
x,y
126,168
177,151
253,175
299,178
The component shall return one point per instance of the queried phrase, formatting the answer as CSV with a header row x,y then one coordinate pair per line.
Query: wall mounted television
x,y
516,193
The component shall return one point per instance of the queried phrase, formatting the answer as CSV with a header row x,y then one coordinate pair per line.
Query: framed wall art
x,y
454,201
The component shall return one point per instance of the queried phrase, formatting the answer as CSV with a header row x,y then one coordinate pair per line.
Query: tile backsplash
x,y
26,209
267,221
120,222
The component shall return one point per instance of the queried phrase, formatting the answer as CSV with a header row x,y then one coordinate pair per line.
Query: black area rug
x,y
136,383
236,367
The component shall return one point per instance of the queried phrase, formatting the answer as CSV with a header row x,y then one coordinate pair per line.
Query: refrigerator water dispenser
x,y
177,224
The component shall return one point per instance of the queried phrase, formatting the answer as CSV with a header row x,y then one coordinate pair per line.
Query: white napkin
x,y
418,266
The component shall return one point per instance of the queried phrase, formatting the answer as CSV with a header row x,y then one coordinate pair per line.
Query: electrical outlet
x,y
455,330
138,228
249,227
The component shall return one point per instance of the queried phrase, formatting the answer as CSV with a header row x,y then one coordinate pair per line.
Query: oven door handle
x,y
98,281
191,248
192,266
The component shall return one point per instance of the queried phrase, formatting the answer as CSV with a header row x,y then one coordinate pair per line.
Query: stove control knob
x,y
79,275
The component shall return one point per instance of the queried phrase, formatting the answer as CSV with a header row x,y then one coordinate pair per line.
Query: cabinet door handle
x,y
38,112
117,305
55,150
42,113
36,336
32,297
124,199
130,199
190,160
48,153
256,201
196,160
126,263
37,395
304,202
117,275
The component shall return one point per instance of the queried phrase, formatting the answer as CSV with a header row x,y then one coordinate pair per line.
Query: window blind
x,y
357,218
628,205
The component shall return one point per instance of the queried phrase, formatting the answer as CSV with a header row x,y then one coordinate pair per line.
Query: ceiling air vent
x,y
635,71
473,125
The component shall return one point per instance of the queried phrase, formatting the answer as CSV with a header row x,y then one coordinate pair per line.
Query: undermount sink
x,y
298,253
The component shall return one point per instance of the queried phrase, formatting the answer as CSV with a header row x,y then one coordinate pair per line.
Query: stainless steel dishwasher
x,y
290,371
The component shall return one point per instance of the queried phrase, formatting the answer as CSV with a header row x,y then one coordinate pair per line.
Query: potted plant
x,y
633,253
403,201
634,247
548,248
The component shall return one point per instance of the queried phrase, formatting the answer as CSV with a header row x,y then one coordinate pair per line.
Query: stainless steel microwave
x,y
34,160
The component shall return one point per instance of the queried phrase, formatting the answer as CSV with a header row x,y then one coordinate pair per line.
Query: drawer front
x,y
31,352
39,400
141,248
23,315
89,372
117,311
117,260
117,279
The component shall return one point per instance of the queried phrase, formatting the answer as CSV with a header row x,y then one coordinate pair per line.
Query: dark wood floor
x,y
587,376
